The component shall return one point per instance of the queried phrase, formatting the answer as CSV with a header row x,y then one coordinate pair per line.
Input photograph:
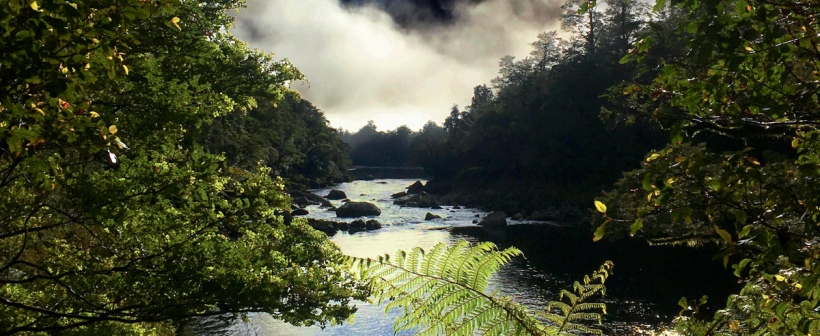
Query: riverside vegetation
x,y
126,208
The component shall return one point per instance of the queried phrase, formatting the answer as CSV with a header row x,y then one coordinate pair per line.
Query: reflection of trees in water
x,y
647,283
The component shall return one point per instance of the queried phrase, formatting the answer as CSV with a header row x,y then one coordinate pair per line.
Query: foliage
x,y
748,88
290,136
112,219
538,122
577,309
444,292
401,147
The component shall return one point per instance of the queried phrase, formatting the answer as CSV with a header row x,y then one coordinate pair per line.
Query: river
x,y
643,291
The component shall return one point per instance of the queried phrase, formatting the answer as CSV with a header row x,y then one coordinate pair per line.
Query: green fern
x,y
443,292
577,310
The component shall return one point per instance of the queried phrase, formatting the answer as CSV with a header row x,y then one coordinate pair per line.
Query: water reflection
x,y
550,265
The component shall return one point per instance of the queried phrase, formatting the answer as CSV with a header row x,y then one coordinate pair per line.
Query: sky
x,y
396,62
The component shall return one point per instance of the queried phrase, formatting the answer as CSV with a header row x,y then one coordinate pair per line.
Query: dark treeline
x,y
534,137
401,147
293,138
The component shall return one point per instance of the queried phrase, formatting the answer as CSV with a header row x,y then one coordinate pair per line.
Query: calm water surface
x,y
549,266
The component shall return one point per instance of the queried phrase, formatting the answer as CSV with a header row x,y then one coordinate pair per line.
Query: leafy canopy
x,y
112,218
743,162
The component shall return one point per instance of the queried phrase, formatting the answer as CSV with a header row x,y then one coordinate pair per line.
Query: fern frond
x,y
443,290
575,310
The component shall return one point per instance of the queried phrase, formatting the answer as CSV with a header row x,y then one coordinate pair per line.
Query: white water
x,y
405,228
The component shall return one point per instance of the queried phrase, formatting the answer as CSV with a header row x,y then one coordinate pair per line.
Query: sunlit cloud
x,y
362,66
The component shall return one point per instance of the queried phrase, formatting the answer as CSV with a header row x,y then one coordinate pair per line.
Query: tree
x,y
583,18
112,217
749,87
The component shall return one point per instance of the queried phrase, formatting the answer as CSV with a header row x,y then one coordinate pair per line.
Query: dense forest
x,y
144,154
401,147
147,153
536,124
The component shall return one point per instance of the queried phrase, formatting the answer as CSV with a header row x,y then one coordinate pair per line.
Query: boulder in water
x,y
299,212
303,198
357,226
373,225
415,188
358,209
399,194
336,195
431,216
327,227
421,200
495,219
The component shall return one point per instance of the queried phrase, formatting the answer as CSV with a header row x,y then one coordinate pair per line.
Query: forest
x,y
148,156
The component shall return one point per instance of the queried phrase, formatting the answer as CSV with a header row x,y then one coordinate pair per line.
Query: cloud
x,y
363,66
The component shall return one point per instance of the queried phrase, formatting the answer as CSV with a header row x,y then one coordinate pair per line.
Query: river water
x,y
643,291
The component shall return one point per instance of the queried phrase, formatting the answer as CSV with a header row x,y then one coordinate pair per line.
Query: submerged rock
x,y
358,209
299,212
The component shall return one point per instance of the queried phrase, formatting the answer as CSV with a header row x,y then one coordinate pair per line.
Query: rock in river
x,y
372,225
415,188
299,212
422,200
358,209
431,216
495,219
356,226
327,227
336,195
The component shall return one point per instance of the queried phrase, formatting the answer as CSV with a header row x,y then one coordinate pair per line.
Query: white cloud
x,y
362,67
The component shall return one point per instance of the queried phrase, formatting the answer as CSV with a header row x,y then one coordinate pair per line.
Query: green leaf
x,y
636,226
659,5
647,182
600,232
740,216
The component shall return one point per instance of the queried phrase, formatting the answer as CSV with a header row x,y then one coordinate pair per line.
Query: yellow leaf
x,y
94,114
112,129
749,49
779,277
34,6
723,234
125,67
600,206
652,157
734,325
753,160
175,22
